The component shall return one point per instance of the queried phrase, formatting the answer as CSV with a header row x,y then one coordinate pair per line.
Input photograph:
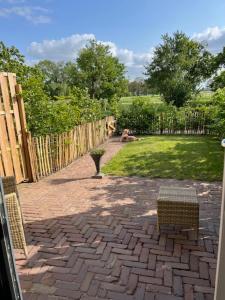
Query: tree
x,y
55,78
139,87
11,60
178,66
101,73
218,82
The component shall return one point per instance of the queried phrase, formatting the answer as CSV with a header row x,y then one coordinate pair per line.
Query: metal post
x,y
220,270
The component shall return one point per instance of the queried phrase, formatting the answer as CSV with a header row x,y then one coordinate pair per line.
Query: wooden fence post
x,y
25,135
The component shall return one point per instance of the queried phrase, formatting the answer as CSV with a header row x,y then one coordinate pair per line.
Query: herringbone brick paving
x,y
97,239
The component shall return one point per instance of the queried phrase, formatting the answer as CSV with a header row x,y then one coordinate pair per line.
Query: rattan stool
x,y
178,206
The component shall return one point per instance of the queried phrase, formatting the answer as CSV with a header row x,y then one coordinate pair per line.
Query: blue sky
x,y
57,30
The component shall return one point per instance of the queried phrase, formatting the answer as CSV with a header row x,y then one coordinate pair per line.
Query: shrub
x,y
218,126
97,152
146,118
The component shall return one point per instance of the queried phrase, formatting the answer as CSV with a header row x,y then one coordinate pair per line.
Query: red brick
x,y
204,289
168,277
132,284
113,287
158,289
196,281
147,279
68,293
188,292
128,257
122,251
86,282
101,248
93,289
77,266
177,250
194,263
137,249
177,265
186,273
152,261
177,286
160,252
144,255
134,264
203,270
159,269
212,275
143,272
124,276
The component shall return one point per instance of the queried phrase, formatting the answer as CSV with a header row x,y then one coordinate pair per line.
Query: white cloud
x,y
34,14
214,37
66,49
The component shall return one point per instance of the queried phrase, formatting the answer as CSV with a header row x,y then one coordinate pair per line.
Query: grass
x,y
156,99
202,97
178,157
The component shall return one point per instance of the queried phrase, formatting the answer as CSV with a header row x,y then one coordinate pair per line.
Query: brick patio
x,y
97,239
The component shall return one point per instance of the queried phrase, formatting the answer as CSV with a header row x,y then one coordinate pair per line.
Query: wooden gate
x,y
14,150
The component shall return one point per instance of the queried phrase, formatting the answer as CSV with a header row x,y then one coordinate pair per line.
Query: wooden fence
x,y
14,155
51,153
187,122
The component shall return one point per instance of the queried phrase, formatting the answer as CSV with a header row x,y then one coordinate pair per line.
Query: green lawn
x,y
180,157
202,97
156,99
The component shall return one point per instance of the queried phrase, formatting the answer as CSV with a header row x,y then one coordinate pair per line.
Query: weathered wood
x,y
30,171
53,152
10,127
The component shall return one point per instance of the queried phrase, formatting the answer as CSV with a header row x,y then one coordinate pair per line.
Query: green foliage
x,y
179,65
178,157
218,81
53,104
143,117
11,60
47,116
139,87
100,72
97,152
153,99
218,126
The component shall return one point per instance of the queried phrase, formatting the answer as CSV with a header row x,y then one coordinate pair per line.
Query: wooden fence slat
x,y
53,152
10,128
30,171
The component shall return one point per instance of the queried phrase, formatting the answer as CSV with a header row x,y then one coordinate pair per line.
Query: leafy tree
x,y
11,60
219,112
218,81
179,65
101,73
139,87
55,77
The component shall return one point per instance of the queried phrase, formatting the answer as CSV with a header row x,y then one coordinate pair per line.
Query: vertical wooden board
x,y
4,142
10,128
2,172
12,91
4,146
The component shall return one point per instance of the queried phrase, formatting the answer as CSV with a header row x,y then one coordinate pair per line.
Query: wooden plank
x,y
11,129
12,90
30,170
2,172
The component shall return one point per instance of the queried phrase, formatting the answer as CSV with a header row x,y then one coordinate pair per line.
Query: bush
x,y
97,152
146,118
218,126
48,116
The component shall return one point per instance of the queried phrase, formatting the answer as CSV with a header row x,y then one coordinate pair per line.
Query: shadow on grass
x,y
197,159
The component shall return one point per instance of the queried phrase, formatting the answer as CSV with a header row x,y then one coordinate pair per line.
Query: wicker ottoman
x,y
178,206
